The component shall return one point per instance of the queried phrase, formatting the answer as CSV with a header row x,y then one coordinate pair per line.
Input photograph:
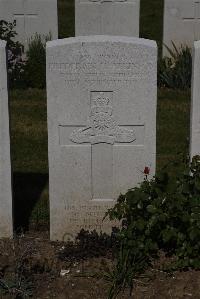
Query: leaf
x,y
151,209
197,184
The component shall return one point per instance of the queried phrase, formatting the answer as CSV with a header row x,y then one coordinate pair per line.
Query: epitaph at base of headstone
x,y
101,94
181,23
195,105
32,16
100,17
6,225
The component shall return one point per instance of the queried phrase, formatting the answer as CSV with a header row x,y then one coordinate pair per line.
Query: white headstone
x,y
113,17
181,23
101,94
6,226
32,16
195,107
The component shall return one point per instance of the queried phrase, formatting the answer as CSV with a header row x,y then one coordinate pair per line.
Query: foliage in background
x,y
25,70
176,71
35,69
151,20
66,18
158,215
15,62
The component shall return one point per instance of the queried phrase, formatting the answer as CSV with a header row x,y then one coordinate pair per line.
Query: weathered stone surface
x,y
6,227
195,106
181,23
113,17
32,16
101,124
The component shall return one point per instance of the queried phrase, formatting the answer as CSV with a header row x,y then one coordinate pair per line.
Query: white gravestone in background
x,y
32,16
181,23
195,106
113,17
101,94
6,225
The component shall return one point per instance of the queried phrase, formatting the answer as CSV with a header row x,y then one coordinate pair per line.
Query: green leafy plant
x,y
14,48
25,70
175,71
35,69
158,215
123,274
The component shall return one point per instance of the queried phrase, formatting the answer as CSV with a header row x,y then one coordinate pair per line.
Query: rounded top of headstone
x,y
102,38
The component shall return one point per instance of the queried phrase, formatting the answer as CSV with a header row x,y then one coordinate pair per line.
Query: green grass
x,y
29,133
173,117
29,156
29,146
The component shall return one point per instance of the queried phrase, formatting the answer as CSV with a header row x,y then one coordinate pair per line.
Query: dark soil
x,y
32,266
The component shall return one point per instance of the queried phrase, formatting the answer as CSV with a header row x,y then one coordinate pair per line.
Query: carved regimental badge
x,y
102,126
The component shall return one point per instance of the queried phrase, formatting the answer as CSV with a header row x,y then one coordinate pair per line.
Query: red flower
x,y
146,170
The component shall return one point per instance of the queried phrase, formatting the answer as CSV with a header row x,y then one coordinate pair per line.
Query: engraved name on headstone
x,y
101,126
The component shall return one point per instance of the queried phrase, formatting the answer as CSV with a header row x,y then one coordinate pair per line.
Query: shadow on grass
x,y
28,206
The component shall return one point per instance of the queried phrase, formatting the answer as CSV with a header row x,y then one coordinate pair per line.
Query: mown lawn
x,y
173,118
29,156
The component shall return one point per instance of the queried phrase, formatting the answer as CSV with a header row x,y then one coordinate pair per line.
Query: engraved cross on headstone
x,y
195,19
102,132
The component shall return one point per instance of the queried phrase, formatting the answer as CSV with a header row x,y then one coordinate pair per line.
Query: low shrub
x,y
175,71
24,70
158,215
14,48
35,69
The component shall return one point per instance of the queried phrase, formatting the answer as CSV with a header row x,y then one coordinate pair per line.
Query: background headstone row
x,y
100,17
